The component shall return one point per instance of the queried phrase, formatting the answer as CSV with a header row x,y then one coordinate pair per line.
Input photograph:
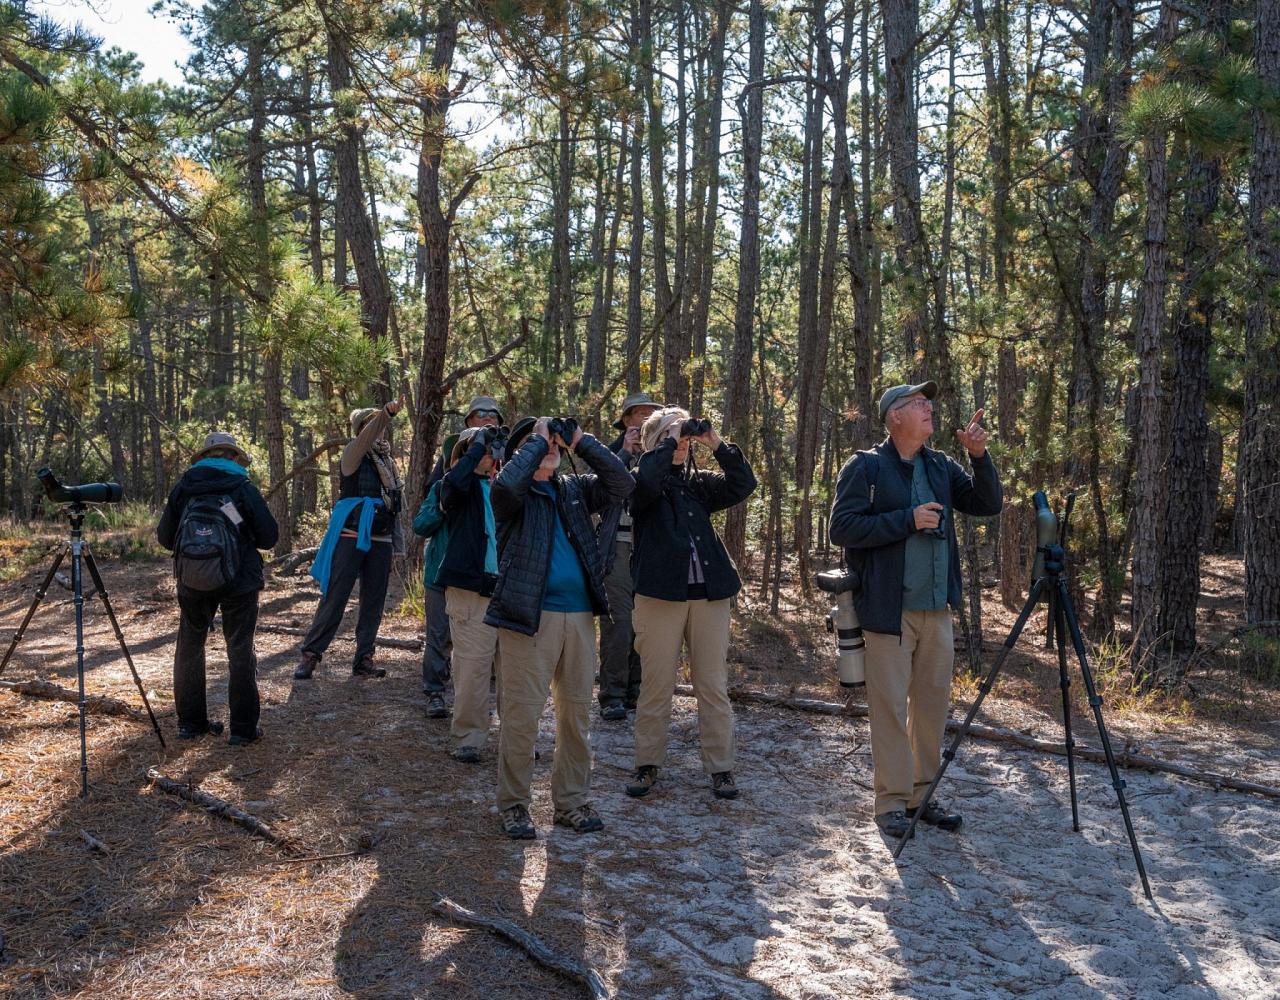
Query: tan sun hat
x,y
631,402
221,439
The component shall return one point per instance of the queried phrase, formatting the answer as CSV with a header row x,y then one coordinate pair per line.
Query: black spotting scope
x,y
86,493
1046,532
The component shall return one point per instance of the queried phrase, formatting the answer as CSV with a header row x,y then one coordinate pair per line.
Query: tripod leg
x,y
106,603
1064,681
983,690
35,603
1077,641
77,588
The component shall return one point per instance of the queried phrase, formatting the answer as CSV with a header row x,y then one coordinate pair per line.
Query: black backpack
x,y
206,557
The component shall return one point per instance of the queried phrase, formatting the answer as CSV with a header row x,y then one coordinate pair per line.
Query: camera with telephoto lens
x,y
565,427
694,426
85,493
843,622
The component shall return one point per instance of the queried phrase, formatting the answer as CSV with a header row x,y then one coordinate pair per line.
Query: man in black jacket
x,y
619,661
550,586
893,513
218,469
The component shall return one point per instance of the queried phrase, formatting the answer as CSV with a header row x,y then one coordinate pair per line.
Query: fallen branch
x,y
94,843
289,563
1204,652
220,808
414,645
537,949
1123,758
98,704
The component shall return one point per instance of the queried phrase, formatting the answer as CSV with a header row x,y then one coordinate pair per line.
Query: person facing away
x,y
684,580
550,587
215,514
893,515
468,571
362,536
482,411
619,662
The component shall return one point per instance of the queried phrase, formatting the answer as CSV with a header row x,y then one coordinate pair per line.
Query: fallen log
x,y
1123,758
98,704
221,808
415,645
537,949
289,563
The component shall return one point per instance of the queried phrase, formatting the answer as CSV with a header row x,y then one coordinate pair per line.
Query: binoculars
x,y
565,427
496,439
694,426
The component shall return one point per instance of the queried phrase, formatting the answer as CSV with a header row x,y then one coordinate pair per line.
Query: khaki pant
x,y
474,644
561,660
908,693
661,628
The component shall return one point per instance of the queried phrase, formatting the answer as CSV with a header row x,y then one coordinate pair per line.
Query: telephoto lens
x,y
843,622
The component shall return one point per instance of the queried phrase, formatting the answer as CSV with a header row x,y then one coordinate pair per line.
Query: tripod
x,y
80,550
1062,622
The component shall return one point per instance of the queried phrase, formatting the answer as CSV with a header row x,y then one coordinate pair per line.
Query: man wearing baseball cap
x,y
619,661
893,514
482,411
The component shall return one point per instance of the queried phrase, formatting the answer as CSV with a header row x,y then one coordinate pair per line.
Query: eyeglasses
x,y
482,414
926,403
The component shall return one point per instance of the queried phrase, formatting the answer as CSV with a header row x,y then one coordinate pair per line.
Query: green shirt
x,y
924,574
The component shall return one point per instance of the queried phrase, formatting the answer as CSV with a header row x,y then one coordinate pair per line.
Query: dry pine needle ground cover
x,y
787,892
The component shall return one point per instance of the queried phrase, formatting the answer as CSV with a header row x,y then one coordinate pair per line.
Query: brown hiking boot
x,y
646,777
583,819
364,667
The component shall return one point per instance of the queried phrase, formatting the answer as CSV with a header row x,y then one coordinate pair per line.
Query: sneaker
x,y
613,712
436,708
584,819
646,777
934,815
192,733
722,786
894,824
306,667
466,755
364,667
517,825
243,741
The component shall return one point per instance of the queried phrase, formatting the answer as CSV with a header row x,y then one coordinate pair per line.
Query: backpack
x,y
206,557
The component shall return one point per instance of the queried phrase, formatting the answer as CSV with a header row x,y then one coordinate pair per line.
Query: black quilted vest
x,y
366,483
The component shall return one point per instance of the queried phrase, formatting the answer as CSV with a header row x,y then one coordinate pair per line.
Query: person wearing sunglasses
x,y
892,515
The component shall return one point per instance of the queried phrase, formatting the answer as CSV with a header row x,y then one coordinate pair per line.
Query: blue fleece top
x,y
222,465
566,584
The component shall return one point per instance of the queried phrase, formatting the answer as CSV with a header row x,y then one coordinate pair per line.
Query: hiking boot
x,y
722,786
306,667
894,824
237,740
364,667
191,733
466,755
646,777
436,708
613,712
517,825
934,815
584,819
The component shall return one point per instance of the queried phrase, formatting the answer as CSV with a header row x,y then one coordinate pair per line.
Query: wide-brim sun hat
x,y
221,439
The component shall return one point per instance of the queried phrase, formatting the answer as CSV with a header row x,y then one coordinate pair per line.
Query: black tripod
x,y
1062,622
80,550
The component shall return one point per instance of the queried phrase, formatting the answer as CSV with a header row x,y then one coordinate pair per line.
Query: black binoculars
x,y
694,426
940,531
496,439
565,427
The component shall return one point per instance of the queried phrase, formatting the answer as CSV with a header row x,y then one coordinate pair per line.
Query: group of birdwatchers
x,y
534,533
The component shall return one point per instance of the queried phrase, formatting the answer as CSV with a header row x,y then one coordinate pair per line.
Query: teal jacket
x,y
430,524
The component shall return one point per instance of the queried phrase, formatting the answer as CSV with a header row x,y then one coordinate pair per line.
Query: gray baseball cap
x,y
894,393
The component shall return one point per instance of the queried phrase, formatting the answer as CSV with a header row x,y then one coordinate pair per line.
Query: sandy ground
x,y
787,892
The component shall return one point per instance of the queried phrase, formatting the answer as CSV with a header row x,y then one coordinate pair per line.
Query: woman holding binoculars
x,y
684,579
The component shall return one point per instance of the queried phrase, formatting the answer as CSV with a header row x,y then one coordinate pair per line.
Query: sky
x,y
127,25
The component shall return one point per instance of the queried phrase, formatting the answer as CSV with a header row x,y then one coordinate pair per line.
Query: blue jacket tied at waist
x,y
322,566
